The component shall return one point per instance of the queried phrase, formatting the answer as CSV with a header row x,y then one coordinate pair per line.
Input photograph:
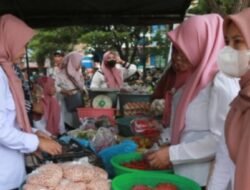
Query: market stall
x,y
116,122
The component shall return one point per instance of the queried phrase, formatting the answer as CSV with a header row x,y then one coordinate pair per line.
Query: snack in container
x,y
77,175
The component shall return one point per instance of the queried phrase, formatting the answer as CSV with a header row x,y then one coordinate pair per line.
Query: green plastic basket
x,y
119,169
152,179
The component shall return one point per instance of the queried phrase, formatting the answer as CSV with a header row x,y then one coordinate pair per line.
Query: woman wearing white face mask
x,y
234,62
232,167
113,72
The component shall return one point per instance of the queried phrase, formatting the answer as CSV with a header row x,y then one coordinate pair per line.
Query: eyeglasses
x,y
178,55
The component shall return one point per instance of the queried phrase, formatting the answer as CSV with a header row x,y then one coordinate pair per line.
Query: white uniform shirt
x,y
13,142
64,83
42,123
99,81
223,173
204,125
53,71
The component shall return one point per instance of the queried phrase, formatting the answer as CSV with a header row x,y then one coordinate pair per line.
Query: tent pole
x,y
27,64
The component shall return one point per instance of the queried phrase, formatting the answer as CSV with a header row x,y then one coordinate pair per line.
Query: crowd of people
x,y
205,91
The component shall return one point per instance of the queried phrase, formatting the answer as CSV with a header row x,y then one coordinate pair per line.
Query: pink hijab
x,y
237,129
71,63
200,38
14,35
169,81
113,76
51,105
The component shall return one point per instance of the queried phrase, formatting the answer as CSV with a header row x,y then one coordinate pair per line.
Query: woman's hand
x,y
160,159
41,134
50,146
120,61
85,91
38,107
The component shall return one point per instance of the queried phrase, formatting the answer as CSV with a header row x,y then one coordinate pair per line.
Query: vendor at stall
x,y
197,99
16,137
113,72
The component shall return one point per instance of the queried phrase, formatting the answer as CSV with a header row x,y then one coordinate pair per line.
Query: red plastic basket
x,y
96,112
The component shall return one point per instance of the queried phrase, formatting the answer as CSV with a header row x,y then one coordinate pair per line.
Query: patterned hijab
x,y
14,35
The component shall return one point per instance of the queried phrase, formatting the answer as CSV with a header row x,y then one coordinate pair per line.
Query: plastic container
x,y
124,126
119,169
129,180
106,154
111,93
125,98
96,112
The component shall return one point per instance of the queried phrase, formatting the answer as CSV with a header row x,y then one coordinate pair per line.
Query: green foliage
x,y
98,39
201,8
226,6
121,38
124,39
222,7
48,40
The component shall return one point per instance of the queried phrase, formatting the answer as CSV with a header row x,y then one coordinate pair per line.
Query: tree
x,y
123,39
48,40
222,7
225,7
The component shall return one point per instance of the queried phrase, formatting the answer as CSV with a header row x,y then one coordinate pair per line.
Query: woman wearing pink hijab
x,y
112,74
233,159
70,81
16,137
197,99
49,120
108,76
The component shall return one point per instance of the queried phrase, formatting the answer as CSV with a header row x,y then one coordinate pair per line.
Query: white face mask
x,y
233,63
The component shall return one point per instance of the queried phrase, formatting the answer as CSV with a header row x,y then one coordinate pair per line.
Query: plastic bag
x,y
103,121
103,138
157,107
87,123
146,126
48,175
76,175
